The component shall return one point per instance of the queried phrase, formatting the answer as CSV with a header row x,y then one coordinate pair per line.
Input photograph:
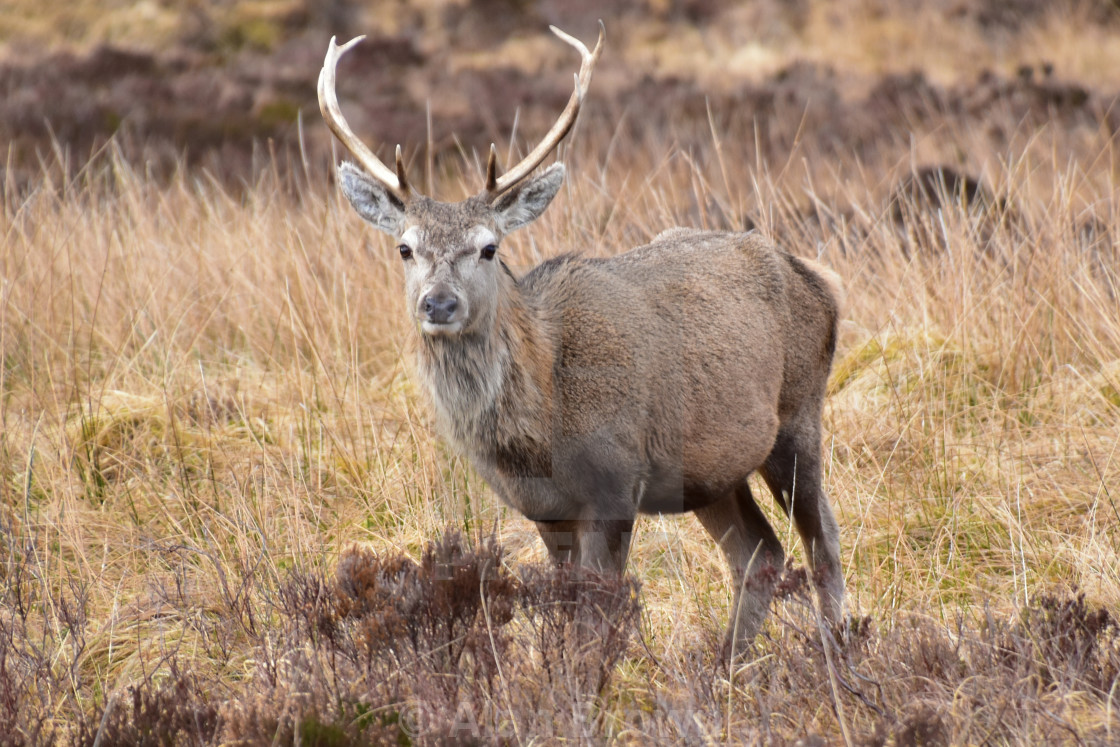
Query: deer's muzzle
x,y
440,312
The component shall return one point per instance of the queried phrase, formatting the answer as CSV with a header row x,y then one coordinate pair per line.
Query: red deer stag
x,y
588,391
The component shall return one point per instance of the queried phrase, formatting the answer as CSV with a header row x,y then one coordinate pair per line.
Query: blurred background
x,y
221,84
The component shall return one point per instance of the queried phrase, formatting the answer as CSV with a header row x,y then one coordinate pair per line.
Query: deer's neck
x,y
492,390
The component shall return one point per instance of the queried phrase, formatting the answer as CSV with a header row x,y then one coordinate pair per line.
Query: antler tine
x,y
492,169
402,173
328,105
496,186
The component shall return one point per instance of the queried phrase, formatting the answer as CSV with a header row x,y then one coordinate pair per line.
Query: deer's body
x,y
590,390
657,367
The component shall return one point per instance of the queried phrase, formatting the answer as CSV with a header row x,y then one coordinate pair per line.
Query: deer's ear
x,y
372,201
524,203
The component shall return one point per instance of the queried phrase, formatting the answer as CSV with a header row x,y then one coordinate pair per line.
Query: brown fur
x,y
654,381
591,390
594,389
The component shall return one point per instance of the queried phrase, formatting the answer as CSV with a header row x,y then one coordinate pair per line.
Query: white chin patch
x,y
430,329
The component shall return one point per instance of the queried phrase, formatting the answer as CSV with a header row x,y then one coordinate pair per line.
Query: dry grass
x,y
204,394
205,400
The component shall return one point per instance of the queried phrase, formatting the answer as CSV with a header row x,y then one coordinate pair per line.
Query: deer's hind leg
x,y
755,556
792,471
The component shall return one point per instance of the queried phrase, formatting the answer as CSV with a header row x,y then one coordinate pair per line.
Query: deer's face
x,y
450,251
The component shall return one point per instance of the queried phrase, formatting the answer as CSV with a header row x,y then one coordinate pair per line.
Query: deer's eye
x,y
488,251
405,250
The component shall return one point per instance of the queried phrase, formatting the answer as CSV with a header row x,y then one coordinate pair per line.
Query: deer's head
x,y
449,250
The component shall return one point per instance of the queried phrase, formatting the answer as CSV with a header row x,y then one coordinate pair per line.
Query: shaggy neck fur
x,y
492,389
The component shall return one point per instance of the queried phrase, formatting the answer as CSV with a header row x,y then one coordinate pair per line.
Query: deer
x,y
590,390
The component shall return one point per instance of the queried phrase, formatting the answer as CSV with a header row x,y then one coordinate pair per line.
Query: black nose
x,y
439,307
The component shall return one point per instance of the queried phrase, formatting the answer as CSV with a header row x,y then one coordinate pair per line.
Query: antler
x,y
397,183
496,185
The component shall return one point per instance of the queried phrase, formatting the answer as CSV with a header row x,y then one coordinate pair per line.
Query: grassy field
x,y
223,510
